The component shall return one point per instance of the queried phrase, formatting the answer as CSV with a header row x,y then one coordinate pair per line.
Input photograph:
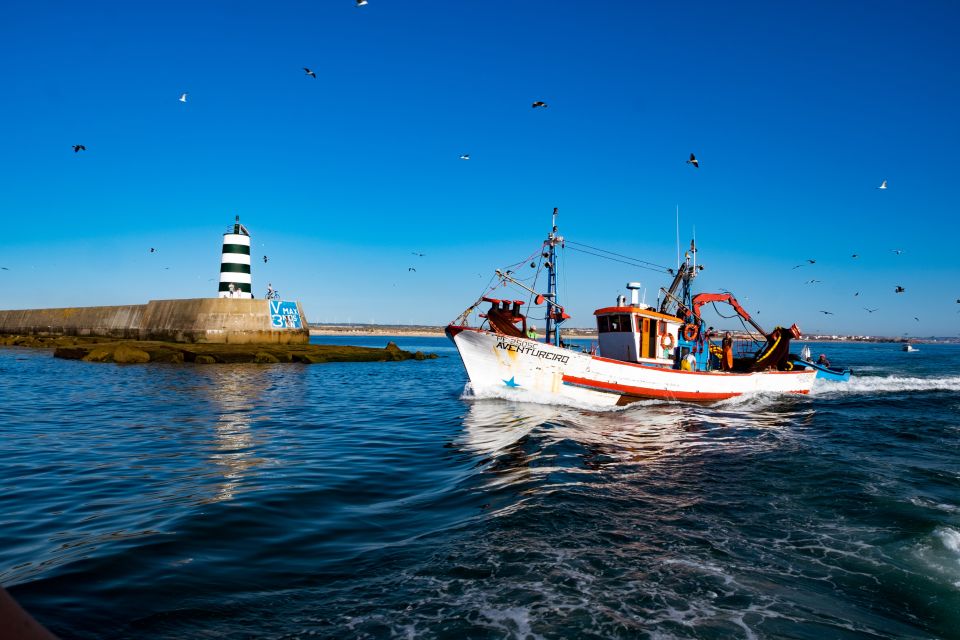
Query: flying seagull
x,y
411,269
539,103
183,97
310,73
916,318
809,261
883,185
855,256
153,250
693,160
856,294
900,289
813,281
870,310
897,251
465,156
829,313
418,254
361,3
8,269
265,259
78,147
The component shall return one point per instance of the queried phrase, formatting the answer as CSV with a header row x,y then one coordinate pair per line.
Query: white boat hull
x,y
495,362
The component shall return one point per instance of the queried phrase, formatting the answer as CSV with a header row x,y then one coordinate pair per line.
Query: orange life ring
x,y
666,341
690,332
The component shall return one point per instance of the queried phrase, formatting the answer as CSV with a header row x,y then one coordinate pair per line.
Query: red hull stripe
x,y
665,368
643,392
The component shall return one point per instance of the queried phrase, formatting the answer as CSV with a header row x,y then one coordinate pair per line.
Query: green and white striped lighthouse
x,y
235,263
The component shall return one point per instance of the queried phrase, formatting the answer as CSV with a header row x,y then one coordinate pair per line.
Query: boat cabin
x,y
637,333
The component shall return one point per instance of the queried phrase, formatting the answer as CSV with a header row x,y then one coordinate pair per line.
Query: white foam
x,y
884,384
941,554
929,504
950,538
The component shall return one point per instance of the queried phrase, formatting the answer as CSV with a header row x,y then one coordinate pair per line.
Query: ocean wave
x,y
940,554
884,384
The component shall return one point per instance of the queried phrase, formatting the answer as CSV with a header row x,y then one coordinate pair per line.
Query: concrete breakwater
x,y
196,320
91,349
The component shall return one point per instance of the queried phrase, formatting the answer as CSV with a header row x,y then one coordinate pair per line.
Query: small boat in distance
x,y
909,348
644,352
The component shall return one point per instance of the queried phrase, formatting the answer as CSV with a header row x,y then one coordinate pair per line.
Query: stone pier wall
x,y
211,320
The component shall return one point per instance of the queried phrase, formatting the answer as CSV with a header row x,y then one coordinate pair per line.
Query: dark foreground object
x,y
141,351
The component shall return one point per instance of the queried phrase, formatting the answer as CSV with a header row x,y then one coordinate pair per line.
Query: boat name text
x,y
528,349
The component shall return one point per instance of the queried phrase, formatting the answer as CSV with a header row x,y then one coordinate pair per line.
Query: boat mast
x,y
551,317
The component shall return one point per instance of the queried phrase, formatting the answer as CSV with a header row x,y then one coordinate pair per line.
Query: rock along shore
x,y
142,351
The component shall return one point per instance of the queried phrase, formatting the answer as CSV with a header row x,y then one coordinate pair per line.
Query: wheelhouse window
x,y
614,323
603,324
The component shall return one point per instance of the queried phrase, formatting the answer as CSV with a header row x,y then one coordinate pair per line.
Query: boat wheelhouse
x,y
636,332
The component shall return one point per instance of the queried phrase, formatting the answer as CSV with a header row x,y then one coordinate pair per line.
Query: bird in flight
x,y
900,289
8,269
183,97
883,185
809,261
693,160
855,256
361,3
153,250
870,310
310,73
829,313
265,259
856,294
916,318
78,147
813,281
411,269
418,254
465,156
897,251
539,103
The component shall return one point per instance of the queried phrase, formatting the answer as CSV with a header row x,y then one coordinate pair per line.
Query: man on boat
x,y
822,360
532,332
726,347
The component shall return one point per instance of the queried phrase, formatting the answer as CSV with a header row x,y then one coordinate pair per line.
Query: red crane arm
x,y
703,298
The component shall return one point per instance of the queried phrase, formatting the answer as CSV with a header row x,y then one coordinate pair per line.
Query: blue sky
x,y
796,111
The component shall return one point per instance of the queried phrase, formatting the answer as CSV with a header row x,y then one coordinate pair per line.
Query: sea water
x,y
384,500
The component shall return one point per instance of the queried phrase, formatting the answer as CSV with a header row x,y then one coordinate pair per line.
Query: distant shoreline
x,y
425,331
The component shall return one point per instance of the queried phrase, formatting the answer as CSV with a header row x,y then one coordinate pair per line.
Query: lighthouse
x,y
235,263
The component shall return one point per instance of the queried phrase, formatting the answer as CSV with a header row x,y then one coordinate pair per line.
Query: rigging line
x,y
536,276
530,257
620,255
632,264
736,315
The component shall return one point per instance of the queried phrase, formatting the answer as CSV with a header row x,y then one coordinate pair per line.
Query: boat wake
x,y
884,384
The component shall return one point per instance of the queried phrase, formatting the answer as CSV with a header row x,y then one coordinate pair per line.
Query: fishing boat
x,y
909,348
644,352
